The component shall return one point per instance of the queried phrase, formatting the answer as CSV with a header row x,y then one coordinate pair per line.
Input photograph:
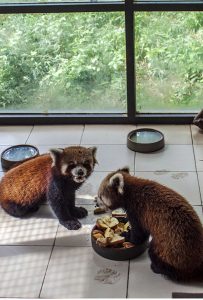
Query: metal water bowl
x,y
17,154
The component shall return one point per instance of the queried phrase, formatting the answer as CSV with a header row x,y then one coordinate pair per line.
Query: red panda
x,y
176,248
53,177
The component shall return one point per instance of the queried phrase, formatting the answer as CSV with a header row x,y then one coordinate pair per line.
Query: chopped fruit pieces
x,y
117,240
106,222
108,232
98,211
119,213
128,245
126,226
103,242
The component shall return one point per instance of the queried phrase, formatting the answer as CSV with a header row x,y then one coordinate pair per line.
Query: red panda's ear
x,y
117,182
94,151
55,154
125,169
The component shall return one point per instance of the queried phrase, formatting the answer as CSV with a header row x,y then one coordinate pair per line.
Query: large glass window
x,y
63,63
169,61
75,59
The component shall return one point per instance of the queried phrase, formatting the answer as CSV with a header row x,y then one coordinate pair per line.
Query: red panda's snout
x,y
79,174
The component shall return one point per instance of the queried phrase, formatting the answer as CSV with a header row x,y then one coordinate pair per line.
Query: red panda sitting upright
x,y
55,177
176,249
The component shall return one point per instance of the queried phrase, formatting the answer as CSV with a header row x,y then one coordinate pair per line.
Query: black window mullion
x,y
60,7
168,5
130,58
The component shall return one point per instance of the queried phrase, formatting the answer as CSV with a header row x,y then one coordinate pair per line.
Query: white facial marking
x,y
106,201
101,203
77,169
119,177
53,154
77,180
76,174
64,169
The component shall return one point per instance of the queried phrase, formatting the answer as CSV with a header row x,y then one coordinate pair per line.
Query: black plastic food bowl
x,y
118,253
17,154
145,140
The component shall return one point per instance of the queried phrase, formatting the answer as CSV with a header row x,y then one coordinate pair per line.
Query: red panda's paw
x,y
71,224
155,269
79,212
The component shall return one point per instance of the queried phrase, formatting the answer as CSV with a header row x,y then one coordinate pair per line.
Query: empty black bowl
x,y
17,154
118,253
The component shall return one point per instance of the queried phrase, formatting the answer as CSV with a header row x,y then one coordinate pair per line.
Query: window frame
x,y
129,7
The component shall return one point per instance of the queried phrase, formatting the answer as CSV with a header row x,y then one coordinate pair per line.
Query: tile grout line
x,y
89,144
152,171
126,296
199,189
124,144
144,171
174,171
29,134
48,262
196,166
82,134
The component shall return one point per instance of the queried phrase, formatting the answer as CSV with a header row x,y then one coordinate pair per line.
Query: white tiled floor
x,y
47,135
39,258
14,134
73,270
153,285
171,158
40,229
112,157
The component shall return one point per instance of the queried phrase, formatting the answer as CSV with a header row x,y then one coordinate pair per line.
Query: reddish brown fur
x,y
25,184
176,229
28,182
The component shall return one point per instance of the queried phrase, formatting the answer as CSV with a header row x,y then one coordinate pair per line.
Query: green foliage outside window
x,y
76,62
63,61
169,55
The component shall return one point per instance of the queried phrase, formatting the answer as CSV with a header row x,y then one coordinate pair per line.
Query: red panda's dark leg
x,y
62,212
137,234
79,212
17,210
160,267
57,198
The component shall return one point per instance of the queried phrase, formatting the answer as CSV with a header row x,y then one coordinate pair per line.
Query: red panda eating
x,y
176,248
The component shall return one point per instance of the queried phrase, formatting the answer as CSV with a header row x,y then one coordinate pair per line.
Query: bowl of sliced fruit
x,y
109,239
